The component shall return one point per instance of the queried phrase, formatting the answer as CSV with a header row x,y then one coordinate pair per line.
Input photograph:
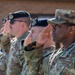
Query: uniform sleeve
x,y
70,64
32,58
4,42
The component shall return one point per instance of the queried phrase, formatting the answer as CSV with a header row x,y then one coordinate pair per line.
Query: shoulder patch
x,y
30,46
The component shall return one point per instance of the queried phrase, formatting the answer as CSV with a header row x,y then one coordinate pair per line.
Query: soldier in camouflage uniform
x,y
62,61
19,23
34,62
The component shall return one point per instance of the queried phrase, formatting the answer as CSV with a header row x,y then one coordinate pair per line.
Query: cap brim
x,y
56,21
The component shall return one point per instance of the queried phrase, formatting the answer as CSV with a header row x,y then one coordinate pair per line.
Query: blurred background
x,y
37,8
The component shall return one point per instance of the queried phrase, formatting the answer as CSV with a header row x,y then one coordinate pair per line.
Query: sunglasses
x,y
13,21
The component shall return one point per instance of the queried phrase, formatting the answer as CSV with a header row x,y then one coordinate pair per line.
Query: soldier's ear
x,y
72,29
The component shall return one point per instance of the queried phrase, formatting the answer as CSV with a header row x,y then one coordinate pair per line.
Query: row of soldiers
x,y
27,46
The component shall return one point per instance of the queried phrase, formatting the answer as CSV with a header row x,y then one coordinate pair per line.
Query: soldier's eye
x,y
12,21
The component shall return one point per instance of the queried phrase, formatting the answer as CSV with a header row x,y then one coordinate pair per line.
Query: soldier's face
x,y
14,28
34,32
18,25
60,32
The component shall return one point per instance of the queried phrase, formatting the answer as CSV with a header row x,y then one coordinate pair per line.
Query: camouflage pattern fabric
x,y
13,67
16,58
36,63
25,70
4,52
62,62
32,62
4,42
46,54
3,63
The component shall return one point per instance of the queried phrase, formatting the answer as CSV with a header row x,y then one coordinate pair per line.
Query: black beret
x,y
41,23
18,14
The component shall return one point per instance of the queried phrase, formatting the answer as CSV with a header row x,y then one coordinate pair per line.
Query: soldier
x,y
62,61
19,23
35,66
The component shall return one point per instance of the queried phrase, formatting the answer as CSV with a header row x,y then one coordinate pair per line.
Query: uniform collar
x,y
66,51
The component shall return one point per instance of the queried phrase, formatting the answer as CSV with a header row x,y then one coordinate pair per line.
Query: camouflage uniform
x,y
25,70
16,58
37,63
62,62
3,63
46,54
4,52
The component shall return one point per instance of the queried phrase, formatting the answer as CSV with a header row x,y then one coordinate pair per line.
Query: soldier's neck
x,y
68,42
19,35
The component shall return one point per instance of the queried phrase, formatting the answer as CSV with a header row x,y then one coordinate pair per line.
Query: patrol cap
x,y
63,16
41,23
18,14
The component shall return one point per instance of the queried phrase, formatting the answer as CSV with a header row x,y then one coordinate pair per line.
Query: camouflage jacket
x,y
3,62
25,70
4,52
62,62
16,58
45,59
37,63
4,42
